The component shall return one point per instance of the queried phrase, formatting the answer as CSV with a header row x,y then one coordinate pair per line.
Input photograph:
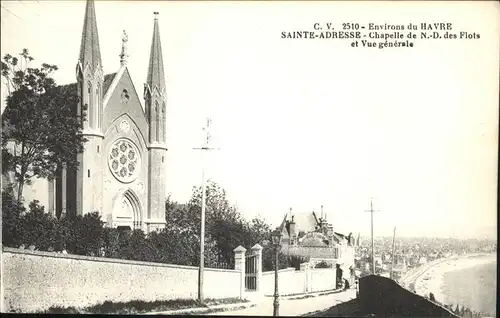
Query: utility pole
x,y
373,244
204,147
393,249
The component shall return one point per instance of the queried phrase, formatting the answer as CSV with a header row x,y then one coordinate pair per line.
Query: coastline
x,y
432,278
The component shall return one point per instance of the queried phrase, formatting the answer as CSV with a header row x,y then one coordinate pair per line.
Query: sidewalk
x,y
205,310
294,306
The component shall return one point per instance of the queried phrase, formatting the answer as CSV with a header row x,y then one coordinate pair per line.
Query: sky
x,y
304,123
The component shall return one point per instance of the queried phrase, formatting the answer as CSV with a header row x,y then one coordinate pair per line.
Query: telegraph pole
x,y
204,147
373,244
393,255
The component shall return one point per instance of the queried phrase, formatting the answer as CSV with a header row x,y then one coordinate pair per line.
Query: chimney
x,y
293,233
329,233
322,214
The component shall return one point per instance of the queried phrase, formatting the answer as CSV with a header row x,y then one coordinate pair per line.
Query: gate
x,y
251,273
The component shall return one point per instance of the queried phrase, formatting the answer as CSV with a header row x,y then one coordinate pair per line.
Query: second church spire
x,y
154,89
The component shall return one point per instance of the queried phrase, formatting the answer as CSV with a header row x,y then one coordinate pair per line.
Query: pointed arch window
x,y
90,111
163,128
158,124
98,106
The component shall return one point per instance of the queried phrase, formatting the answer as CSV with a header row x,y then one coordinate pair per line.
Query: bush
x,y
295,261
78,235
39,228
11,215
178,243
323,264
82,234
269,258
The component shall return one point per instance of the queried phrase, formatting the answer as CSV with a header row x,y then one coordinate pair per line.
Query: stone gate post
x,y
239,265
257,251
306,269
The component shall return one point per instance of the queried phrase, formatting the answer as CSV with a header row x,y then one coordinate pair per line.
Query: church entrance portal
x,y
127,211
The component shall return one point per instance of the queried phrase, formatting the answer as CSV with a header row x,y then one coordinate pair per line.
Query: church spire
x,y
156,77
154,90
90,54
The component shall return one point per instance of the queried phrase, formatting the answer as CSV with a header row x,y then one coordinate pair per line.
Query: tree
x,y
224,224
180,240
269,259
260,230
41,120
226,228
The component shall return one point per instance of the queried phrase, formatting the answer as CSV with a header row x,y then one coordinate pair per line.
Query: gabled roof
x,y
304,222
108,79
315,217
340,235
283,230
89,47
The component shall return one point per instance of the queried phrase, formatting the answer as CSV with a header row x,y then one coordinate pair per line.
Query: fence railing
x,y
219,265
251,272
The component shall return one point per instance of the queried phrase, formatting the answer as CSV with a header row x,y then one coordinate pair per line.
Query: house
x,y
317,240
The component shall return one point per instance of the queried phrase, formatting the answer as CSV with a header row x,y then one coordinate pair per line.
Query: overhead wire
x,y
12,13
24,4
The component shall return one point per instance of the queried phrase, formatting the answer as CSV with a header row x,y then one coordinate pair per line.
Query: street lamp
x,y
276,240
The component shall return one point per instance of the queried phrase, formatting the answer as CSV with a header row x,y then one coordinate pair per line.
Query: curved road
x,y
293,307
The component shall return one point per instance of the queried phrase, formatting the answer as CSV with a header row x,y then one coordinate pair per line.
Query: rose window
x,y
124,160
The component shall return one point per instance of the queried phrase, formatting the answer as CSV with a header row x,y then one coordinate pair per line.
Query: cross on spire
x,y
124,53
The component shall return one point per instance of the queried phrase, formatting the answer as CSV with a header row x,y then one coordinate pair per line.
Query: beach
x,y
431,276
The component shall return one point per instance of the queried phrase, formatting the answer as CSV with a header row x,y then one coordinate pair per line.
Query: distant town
x,y
413,252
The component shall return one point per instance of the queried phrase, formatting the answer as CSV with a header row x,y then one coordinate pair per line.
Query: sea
x,y
473,287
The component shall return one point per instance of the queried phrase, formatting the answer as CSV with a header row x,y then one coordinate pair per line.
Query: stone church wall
x,y
124,128
124,99
34,281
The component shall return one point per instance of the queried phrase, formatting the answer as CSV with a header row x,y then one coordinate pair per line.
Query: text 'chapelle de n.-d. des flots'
x,y
380,32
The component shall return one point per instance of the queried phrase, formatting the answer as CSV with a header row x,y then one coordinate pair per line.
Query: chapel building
x,y
122,171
